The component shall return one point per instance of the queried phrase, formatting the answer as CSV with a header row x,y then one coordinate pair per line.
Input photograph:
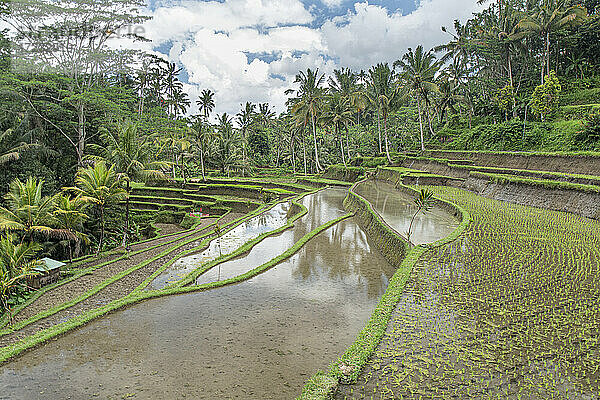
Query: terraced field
x,y
510,311
504,305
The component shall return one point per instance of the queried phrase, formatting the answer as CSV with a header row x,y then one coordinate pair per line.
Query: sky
x,y
251,50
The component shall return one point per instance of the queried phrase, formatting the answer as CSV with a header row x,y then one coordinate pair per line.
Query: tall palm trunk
x,y
420,123
101,241
348,143
338,133
548,53
125,243
317,163
202,163
293,156
379,132
304,150
385,135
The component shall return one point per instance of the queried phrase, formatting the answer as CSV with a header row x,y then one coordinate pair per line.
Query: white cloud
x,y
370,34
212,40
176,22
332,3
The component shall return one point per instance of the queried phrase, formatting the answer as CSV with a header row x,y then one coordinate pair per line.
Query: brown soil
x,y
114,291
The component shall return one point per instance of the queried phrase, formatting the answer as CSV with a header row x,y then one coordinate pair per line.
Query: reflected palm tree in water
x,y
344,253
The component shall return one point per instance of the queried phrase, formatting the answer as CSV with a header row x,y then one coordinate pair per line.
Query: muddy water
x,y
260,339
397,209
329,206
254,227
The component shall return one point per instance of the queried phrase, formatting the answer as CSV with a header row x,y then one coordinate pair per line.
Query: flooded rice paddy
x,y
260,339
397,209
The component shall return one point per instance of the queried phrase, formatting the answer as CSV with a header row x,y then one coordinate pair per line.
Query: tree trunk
x,y
317,163
512,85
420,124
293,156
202,163
385,135
304,149
548,53
348,143
126,233
338,133
80,133
101,231
379,132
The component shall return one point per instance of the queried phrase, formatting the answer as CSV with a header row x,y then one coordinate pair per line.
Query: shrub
x,y
545,98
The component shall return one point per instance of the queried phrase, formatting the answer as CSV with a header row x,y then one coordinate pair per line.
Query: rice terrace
x,y
300,199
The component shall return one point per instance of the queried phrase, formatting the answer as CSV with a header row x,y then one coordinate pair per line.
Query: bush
x,y
545,98
588,138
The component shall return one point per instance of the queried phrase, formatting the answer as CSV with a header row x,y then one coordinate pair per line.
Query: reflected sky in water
x,y
279,327
397,209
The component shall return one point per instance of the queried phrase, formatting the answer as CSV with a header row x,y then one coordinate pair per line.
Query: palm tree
x,y
206,102
384,95
245,119
459,47
171,84
16,265
180,102
70,216
547,18
27,211
346,83
419,70
11,147
309,102
100,186
130,155
265,115
424,203
227,144
337,114
301,119
204,134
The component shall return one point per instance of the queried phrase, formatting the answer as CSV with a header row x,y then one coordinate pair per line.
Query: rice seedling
x,y
509,311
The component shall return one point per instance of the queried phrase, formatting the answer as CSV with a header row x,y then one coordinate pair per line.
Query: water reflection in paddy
x,y
397,209
248,230
260,339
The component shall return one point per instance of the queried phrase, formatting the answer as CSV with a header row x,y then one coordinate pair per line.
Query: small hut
x,y
48,273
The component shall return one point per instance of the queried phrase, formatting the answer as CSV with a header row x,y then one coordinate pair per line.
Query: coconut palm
x,y
27,211
227,144
130,155
419,70
100,186
16,265
203,134
206,102
245,119
310,102
547,18
385,96
338,114
346,83
70,216
180,102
